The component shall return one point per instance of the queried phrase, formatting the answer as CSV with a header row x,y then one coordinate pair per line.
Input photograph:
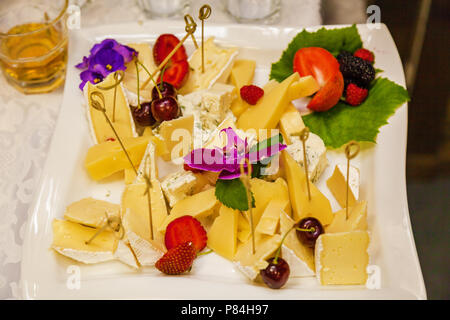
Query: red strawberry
x,y
187,168
355,95
176,73
251,94
164,45
185,229
365,55
328,96
177,260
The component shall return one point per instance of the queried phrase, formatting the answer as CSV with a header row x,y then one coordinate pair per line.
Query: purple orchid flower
x,y
228,160
105,57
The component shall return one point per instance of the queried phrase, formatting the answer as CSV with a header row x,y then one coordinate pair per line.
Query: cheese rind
x,y
318,206
218,64
91,212
342,258
337,184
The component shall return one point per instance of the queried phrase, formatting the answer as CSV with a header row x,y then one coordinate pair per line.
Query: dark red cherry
x,y
165,109
311,230
166,89
275,275
143,115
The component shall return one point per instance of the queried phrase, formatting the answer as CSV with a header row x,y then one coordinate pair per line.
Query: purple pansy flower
x,y
105,57
227,161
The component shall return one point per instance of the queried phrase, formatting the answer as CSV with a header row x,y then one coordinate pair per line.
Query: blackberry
x,y
355,69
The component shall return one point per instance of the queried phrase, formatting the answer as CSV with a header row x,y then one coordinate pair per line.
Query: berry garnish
x,y
276,274
177,73
111,139
185,229
165,109
308,230
164,46
365,55
357,69
166,89
143,115
178,259
355,95
328,96
251,94
187,168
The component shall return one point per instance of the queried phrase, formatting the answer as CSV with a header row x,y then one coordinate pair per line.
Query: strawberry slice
x,y
178,259
316,62
164,45
329,95
176,73
185,229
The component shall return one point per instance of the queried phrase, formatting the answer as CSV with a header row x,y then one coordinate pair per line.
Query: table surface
x,y
27,123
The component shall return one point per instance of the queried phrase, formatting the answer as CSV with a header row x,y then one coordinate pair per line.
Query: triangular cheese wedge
x,y
357,219
269,222
337,184
218,65
299,257
122,121
222,236
318,207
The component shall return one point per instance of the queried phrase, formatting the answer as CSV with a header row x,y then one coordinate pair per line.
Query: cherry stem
x,y
277,254
151,78
312,229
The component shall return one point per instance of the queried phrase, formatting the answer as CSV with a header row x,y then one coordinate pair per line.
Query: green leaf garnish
x,y
344,123
333,40
232,194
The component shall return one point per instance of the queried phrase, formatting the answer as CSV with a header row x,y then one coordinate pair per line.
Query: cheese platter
x,y
119,198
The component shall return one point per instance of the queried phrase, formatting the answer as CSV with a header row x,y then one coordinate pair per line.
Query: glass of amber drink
x,y
33,44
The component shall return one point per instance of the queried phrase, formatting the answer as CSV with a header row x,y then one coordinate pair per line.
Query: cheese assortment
x,y
204,205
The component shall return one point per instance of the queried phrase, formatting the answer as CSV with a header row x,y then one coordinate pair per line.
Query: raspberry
x,y
251,94
365,55
355,95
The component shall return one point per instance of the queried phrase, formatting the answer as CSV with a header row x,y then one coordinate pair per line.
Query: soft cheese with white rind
x,y
178,185
122,120
316,154
91,212
218,65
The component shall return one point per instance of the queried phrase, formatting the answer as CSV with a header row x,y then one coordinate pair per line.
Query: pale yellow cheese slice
x,y
91,212
318,207
244,229
218,64
291,123
304,87
222,236
269,222
357,219
199,206
121,118
104,159
342,258
69,239
177,135
337,184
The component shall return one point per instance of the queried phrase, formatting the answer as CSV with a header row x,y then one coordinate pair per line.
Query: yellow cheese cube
x,y
318,207
304,87
199,205
91,212
122,121
291,123
342,258
269,222
267,112
222,237
177,135
357,219
107,158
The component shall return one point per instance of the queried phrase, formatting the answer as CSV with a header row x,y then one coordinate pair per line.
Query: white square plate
x,y
46,275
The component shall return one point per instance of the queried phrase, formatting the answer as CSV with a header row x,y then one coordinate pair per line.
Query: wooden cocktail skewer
x,y
190,21
147,192
304,135
350,155
114,223
203,14
245,178
190,29
118,77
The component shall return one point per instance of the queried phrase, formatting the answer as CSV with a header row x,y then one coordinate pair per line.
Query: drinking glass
x,y
33,44
164,8
254,11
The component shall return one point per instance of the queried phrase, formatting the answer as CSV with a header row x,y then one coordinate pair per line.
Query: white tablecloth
x,y
27,123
